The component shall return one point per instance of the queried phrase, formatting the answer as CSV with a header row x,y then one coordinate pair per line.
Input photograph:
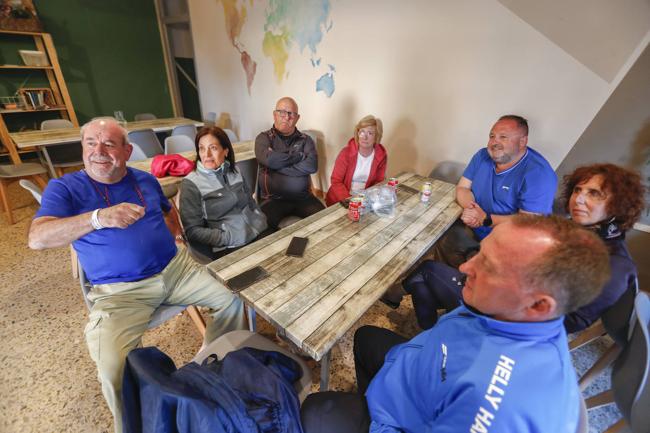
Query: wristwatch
x,y
487,222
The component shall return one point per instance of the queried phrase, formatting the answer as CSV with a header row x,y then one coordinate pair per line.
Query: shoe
x,y
393,296
389,302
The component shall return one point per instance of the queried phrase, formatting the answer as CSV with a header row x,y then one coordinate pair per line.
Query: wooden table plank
x,y
235,257
300,329
337,235
312,295
301,296
331,330
333,267
53,137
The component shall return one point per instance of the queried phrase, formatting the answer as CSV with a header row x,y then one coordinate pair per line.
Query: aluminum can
x,y
393,182
425,192
353,209
362,202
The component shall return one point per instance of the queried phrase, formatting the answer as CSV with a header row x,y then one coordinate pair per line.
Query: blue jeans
x,y
433,286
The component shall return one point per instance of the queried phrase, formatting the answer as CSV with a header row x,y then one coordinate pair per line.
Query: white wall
x,y
438,73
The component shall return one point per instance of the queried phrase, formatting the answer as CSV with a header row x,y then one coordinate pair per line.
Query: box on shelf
x,y
36,98
33,58
10,102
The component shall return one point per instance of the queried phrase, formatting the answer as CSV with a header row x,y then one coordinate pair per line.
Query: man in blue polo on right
x,y
504,178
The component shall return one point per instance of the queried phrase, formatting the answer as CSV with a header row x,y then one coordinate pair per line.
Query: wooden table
x,y
244,150
54,137
346,268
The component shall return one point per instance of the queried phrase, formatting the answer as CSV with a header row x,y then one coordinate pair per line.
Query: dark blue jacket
x,y
249,391
623,276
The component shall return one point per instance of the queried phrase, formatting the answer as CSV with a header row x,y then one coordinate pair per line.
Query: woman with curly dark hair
x,y
607,199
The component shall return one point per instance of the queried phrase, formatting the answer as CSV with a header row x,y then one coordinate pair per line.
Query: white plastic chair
x,y
34,189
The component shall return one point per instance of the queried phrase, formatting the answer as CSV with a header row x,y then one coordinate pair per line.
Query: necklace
x,y
105,196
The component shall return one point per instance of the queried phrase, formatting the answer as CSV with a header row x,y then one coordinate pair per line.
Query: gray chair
x,y
56,124
631,374
13,173
178,144
448,171
231,135
144,116
145,144
188,130
64,155
210,119
248,170
238,339
615,322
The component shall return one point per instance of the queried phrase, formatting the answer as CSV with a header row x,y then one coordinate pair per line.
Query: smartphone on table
x,y
297,246
246,278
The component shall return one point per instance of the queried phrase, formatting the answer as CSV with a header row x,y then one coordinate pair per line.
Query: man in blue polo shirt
x,y
498,363
505,178
502,179
114,217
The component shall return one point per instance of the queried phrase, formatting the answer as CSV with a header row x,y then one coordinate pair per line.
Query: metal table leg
x,y
252,324
325,371
49,162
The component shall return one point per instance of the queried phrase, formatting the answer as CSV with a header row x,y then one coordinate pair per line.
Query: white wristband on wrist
x,y
94,220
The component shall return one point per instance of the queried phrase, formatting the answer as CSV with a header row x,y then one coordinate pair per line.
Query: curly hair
x,y
624,186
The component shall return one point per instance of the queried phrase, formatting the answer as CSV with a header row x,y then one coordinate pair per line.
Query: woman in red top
x,y
361,164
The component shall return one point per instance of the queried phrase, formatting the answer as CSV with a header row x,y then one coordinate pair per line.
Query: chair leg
x,y
602,399
619,426
59,171
606,359
197,318
5,202
588,335
74,263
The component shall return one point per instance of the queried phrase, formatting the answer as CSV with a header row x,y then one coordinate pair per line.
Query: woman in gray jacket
x,y
217,208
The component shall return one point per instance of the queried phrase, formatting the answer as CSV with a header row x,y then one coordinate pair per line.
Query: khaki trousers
x,y
121,313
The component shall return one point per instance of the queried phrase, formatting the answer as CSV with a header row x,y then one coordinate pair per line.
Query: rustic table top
x,y
52,137
347,266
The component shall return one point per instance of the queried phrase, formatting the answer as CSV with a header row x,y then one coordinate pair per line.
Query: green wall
x,y
110,54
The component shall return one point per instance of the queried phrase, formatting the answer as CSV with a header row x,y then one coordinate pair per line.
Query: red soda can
x,y
393,182
353,210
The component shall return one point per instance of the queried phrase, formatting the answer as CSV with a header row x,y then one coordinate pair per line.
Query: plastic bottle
x,y
384,205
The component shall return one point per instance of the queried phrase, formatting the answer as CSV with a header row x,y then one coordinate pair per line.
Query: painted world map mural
x,y
287,23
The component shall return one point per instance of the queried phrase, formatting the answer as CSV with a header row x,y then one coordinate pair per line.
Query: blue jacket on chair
x,y
250,390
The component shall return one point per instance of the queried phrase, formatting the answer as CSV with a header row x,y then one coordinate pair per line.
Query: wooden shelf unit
x,y
44,43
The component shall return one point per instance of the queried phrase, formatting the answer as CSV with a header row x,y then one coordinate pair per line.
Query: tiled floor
x,y
48,382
